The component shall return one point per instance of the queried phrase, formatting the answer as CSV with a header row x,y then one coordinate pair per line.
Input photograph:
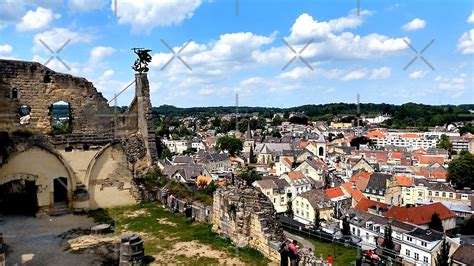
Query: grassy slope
x,y
164,236
342,256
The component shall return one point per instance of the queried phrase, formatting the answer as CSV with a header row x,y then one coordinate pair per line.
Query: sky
x,y
276,53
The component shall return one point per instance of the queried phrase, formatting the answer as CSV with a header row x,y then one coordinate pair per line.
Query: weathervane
x,y
141,64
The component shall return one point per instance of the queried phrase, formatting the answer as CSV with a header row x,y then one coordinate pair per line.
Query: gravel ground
x,y
35,241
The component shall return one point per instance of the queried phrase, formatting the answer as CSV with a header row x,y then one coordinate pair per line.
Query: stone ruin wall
x,y
245,216
94,152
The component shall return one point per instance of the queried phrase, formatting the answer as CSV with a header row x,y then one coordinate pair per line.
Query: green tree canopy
x,y
232,145
436,223
461,170
442,258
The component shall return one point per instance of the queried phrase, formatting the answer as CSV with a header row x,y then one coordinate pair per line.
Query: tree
x,y
165,153
468,227
461,170
436,223
289,210
466,129
444,143
442,258
277,120
276,134
388,239
346,228
356,142
317,219
250,176
232,145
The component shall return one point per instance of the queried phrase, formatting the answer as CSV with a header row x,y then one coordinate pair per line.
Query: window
x,y
429,193
14,94
274,200
282,199
353,230
425,259
417,257
409,238
444,194
450,194
436,194
424,244
307,214
307,206
420,194
358,232
408,253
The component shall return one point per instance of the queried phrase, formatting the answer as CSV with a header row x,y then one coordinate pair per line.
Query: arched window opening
x,y
24,112
14,94
321,151
61,118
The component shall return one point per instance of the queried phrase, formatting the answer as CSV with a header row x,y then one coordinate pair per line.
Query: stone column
x,y
145,116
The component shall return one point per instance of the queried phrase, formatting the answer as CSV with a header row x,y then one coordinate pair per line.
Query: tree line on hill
x,y
403,116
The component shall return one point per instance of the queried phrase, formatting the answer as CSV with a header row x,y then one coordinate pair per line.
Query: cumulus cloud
x,y
37,20
470,19
144,15
57,37
466,42
99,52
415,24
85,6
418,74
455,86
381,73
5,48
354,75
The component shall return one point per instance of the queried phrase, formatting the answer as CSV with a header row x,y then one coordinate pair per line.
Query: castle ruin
x,y
91,165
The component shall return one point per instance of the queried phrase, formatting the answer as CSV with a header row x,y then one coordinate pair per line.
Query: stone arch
x,y
109,178
42,164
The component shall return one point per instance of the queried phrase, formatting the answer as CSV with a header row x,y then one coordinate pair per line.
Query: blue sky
x,y
349,51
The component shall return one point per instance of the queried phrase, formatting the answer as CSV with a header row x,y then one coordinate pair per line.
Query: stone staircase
x,y
60,208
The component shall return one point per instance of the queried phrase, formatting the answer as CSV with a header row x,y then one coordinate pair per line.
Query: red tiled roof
x,y
295,175
334,192
288,161
397,155
421,214
426,159
360,180
365,204
355,193
404,181
375,134
410,136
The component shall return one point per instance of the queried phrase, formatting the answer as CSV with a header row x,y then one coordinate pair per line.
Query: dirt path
x,y
33,241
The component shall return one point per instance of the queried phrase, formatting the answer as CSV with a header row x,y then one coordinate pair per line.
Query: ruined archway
x,y
45,166
18,195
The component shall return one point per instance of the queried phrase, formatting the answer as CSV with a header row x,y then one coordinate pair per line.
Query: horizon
x,y
281,55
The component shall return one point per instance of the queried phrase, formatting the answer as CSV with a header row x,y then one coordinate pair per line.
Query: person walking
x,y
294,256
284,251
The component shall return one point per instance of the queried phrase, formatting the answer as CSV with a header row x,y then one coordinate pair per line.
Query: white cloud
x,y
354,75
466,42
381,73
144,15
470,19
5,49
455,86
108,73
37,20
415,24
57,37
99,52
418,74
87,5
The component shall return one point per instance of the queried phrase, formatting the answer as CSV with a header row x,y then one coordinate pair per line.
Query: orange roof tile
x,y
288,161
272,171
410,136
397,155
404,181
364,204
426,159
295,175
375,134
203,178
355,193
334,192
421,214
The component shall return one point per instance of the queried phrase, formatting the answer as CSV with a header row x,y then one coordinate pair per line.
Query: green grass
x,y
341,255
162,236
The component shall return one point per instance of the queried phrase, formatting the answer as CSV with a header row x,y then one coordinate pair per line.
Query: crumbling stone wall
x,y
248,218
39,87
